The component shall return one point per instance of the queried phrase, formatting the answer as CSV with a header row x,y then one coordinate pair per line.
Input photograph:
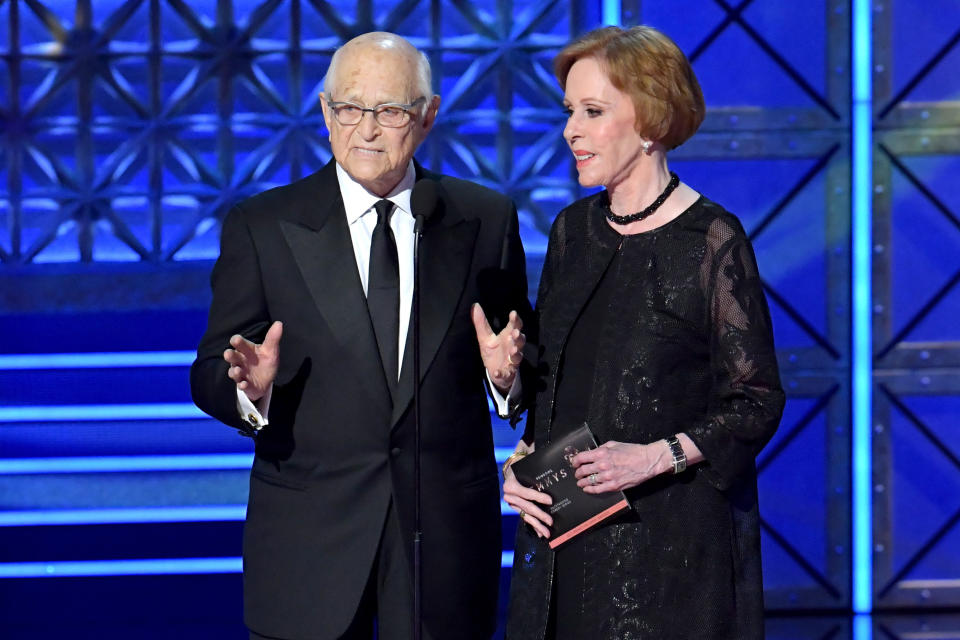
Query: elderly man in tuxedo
x,y
308,348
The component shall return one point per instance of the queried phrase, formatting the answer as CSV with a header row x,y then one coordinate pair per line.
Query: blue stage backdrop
x,y
129,127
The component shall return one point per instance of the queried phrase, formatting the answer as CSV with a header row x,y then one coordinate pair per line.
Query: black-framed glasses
x,y
390,114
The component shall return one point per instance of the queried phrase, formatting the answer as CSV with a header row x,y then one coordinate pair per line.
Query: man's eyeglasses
x,y
390,114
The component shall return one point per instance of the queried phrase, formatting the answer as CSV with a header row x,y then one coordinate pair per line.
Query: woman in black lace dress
x,y
653,330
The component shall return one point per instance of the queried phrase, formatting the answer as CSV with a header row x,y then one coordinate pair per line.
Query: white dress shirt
x,y
361,219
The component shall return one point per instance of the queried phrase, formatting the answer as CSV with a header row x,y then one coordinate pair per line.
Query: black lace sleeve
x,y
555,250
746,398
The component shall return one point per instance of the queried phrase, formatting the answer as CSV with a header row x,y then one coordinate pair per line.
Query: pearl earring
x,y
646,146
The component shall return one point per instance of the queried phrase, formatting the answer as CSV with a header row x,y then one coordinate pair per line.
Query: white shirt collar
x,y
357,200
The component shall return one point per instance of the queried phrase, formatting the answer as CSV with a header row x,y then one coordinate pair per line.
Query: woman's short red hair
x,y
649,67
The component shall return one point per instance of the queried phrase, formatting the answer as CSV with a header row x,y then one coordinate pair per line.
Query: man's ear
x,y
327,114
431,114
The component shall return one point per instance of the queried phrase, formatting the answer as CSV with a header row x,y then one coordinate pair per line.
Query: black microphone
x,y
423,202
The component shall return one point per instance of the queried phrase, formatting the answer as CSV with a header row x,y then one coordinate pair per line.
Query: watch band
x,y
679,457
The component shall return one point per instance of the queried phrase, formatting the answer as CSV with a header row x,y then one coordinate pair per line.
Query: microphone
x,y
423,202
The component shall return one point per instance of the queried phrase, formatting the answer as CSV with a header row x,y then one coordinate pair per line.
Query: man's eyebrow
x,y
357,101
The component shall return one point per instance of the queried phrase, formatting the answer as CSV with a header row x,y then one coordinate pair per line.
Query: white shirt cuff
x,y
502,403
254,414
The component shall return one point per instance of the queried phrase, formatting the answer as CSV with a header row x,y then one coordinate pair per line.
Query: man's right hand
x,y
254,366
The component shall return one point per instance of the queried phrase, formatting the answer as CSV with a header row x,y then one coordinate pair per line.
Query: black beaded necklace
x,y
640,215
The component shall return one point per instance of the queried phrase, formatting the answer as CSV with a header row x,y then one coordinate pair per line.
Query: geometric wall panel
x,y
925,624
917,495
925,236
129,128
803,555
774,150
916,288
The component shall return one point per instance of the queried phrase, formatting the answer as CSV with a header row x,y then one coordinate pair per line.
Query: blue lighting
x,y
174,462
862,627
97,360
106,464
140,515
611,12
218,513
862,306
147,567
87,412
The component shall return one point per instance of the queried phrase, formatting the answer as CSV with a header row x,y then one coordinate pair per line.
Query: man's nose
x,y
368,127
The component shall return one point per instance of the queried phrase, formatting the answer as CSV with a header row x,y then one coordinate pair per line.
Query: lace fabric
x,y
686,345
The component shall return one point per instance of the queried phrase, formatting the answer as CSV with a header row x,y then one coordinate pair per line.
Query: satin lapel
x,y
324,254
445,256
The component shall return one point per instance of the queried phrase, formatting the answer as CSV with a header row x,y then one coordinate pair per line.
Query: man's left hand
x,y
502,352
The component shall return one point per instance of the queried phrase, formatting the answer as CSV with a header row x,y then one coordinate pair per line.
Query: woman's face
x,y
600,126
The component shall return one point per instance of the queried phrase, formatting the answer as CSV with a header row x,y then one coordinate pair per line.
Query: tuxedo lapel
x,y
321,246
446,252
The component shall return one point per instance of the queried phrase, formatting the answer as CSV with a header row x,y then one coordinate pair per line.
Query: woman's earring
x,y
646,146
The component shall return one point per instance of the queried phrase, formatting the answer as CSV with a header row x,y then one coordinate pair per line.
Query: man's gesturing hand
x,y
254,366
502,352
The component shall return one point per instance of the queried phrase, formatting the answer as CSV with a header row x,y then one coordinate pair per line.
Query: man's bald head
x,y
389,44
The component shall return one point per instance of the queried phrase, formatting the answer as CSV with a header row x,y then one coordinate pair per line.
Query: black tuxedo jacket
x,y
338,448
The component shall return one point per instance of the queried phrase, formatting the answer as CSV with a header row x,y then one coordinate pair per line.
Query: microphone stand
x,y
417,525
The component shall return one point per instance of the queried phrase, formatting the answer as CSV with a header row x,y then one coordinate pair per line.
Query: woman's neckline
x,y
605,199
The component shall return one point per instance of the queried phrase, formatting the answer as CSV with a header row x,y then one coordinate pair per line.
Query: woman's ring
x,y
593,478
522,513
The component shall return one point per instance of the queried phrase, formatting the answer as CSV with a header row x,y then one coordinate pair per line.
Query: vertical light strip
x,y
862,144
611,12
862,627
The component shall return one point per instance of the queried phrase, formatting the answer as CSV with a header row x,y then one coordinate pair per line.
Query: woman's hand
x,y
615,466
527,501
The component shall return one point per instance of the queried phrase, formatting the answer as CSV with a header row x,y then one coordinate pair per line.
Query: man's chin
x,y
374,178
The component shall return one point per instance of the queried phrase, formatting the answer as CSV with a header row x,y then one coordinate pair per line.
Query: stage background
x,y
128,128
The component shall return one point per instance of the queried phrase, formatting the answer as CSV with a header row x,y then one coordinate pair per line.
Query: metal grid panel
x,y
127,129
774,149
927,625
916,283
